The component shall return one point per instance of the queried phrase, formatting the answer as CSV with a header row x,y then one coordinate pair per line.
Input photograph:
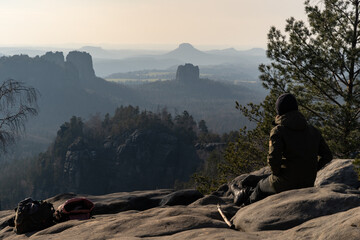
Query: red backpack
x,y
75,208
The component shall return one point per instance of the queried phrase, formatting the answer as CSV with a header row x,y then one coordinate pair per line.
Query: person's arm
x,y
324,154
275,151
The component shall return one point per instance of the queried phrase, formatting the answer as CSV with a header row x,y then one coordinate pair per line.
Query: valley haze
x,y
68,83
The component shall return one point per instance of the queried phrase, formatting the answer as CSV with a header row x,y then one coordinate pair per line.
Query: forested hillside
x,y
130,150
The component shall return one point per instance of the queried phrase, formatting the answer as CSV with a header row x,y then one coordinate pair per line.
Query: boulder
x,y
265,171
342,225
208,200
182,197
291,208
327,211
338,171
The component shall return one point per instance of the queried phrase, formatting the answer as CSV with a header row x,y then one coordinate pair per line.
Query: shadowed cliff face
x,y
147,159
55,57
82,61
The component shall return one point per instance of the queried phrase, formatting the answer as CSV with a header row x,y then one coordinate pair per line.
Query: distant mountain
x,y
185,53
115,54
98,52
255,52
226,52
233,52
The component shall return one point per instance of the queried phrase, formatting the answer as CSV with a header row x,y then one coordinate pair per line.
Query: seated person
x,y
296,152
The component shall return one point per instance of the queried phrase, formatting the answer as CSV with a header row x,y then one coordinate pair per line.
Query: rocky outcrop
x,y
187,73
146,159
83,63
54,57
329,211
152,159
78,165
339,171
291,208
182,197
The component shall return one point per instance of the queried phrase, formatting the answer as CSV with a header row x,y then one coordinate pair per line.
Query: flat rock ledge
x,y
330,210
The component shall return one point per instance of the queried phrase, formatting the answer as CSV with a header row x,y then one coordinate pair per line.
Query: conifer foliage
x,y
319,62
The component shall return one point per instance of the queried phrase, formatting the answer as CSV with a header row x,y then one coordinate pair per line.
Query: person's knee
x,y
266,187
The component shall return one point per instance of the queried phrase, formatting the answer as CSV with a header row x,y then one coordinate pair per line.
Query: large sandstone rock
x,y
335,183
342,225
182,197
291,208
329,211
83,63
338,171
187,73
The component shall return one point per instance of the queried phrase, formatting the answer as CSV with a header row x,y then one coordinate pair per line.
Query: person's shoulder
x,y
277,129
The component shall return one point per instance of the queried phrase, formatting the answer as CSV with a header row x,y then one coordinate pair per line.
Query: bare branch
x,y
17,103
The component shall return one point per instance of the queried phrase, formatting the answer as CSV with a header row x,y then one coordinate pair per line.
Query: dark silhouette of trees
x,y
202,126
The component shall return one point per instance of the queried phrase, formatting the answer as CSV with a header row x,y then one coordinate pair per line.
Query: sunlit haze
x,y
142,23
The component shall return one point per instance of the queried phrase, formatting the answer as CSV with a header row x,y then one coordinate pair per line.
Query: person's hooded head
x,y
286,103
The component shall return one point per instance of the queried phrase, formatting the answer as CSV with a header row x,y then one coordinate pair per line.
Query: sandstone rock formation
x,y
147,159
83,63
340,171
291,208
329,211
187,73
55,57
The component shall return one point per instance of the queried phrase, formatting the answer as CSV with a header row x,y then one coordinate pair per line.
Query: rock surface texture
x,y
330,210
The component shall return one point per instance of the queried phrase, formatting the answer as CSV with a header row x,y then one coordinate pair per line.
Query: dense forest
x,y
131,150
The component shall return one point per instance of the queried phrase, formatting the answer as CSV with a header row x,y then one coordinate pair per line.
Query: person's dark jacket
x,y
296,152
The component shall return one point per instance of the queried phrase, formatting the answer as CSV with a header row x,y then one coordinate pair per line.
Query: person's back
x,y
296,152
294,148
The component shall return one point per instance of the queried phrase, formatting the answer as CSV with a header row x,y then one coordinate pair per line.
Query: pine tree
x,y
319,63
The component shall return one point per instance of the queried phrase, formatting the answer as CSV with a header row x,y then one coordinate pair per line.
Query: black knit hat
x,y
286,103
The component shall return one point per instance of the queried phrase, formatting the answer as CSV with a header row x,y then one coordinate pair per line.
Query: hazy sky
x,y
222,23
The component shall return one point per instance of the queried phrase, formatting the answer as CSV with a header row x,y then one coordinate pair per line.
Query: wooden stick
x,y
225,218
